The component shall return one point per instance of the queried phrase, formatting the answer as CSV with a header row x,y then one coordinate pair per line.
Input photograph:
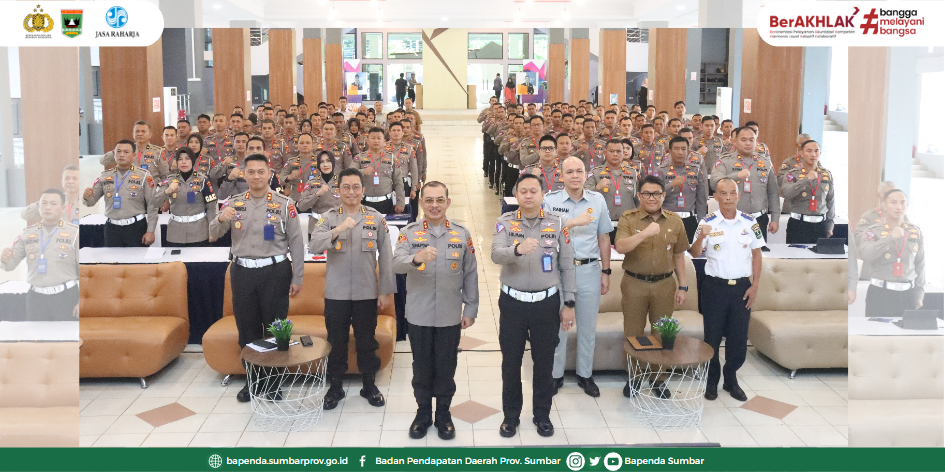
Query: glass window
x,y
404,46
541,47
485,45
208,45
838,79
518,45
371,45
349,46
930,93
375,81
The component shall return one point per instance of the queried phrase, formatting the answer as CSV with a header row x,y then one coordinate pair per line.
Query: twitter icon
x,y
595,460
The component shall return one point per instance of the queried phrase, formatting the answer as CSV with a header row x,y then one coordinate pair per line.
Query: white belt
x,y
808,218
529,297
55,288
189,219
683,214
316,215
614,222
757,215
258,263
379,199
897,286
126,221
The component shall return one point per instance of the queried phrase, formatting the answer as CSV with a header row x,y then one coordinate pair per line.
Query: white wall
x,y
259,59
637,54
14,59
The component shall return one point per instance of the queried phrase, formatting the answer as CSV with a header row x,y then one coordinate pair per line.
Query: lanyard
x,y
899,249
545,176
371,157
42,245
615,181
649,165
119,184
813,188
671,169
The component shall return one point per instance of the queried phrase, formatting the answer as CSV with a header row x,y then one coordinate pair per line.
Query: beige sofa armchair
x,y
39,394
896,391
608,350
799,319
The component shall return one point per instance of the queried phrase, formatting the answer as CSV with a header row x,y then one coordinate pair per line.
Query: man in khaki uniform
x,y
708,144
686,191
220,144
330,143
616,181
301,169
129,207
148,156
71,209
547,167
649,154
383,181
277,148
591,150
527,149
808,192
756,178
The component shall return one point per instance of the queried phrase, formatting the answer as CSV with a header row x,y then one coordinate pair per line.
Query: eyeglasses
x,y
547,148
438,201
651,194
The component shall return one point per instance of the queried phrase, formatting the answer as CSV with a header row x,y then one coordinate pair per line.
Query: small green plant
x,y
667,327
281,329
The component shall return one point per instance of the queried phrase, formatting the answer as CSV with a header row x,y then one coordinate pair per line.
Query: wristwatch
x,y
569,303
606,271
684,289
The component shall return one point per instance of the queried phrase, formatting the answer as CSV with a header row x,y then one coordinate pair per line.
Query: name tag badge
x,y
191,197
75,222
41,266
617,200
680,201
269,232
746,186
116,202
377,179
897,268
546,262
812,205
144,166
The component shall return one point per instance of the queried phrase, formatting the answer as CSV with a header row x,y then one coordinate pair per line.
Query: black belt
x,y
722,281
578,262
649,278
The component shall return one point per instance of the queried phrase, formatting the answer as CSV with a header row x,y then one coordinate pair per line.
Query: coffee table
x,y
683,370
297,375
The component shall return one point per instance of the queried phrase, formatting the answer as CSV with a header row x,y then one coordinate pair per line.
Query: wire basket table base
x,y
287,399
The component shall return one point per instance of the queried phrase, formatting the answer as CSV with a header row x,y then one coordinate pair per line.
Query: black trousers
x,y
724,314
803,232
498,94
340,317
884,302
435,352
763,224
486,144
56,307
260,296
400,98
509,177
204,243
125,236
538,323
386,207
412,95
691,224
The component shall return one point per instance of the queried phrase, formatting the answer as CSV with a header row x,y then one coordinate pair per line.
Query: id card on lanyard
x,y
746,185
116,200
41,267
897,266
618,201
812,203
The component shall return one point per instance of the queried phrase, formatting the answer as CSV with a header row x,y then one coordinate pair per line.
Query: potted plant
x,y
282,331
667,327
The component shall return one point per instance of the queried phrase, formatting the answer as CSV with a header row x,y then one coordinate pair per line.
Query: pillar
x,y
11,180
580,64
282,66
445,58
49,105
720,13
613,65
90,132
771,79
902,106
131,78
312,67
667,71
334,70
556,65
867,123
693,64
232,80
182,13
735,36
816,89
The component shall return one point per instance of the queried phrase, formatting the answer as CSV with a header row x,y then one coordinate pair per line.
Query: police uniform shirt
x,y
419,143
204,163
592,153
386,177
307,168
310,200
583,238
763,194
226,187
147,158
649,163
58,246
438,291
694,190
655,255
263,227
338,150
218,147
788,165
534,272
483,114
135,191
193,197
356,255
70,212
729,243
405,158
350,142
550,176
881,252
507,140
622,188
713,152
799,192
279,152
524,152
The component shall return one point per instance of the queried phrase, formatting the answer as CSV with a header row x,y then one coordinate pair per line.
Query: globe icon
x,y
116,17
216,461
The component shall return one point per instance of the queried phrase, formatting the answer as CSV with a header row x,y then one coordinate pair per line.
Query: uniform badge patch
x,y
499,227
757,230
338,246
237,225
370,245
453,266
455,240
401,239
567,237
292,212
472,248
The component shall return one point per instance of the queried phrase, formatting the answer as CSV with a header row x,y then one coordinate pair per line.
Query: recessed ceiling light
x,y
217,6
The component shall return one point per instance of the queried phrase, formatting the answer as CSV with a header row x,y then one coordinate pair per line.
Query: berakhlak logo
x,y
871,23
575,461
216,461
116,17
71,22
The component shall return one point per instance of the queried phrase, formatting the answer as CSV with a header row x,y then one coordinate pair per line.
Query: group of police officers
x,y
632,185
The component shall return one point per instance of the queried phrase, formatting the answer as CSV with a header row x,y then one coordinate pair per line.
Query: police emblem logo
x,y
455,253
370,245
419,239
717,247
338,246
401,239
455,240
32,256
38,22
238,225
888,255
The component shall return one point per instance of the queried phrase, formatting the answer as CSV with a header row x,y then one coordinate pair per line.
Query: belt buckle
x,y
732,281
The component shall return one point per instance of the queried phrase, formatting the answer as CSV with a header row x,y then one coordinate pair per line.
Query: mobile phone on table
x,y
306,341
175,252
644,341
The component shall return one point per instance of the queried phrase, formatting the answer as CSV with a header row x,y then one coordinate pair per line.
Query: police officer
x,y
733,241
229,171
331,144
649,153
52,251
534,250
265,230
793,161
277,147
616,181
588,221
894,251
148,156
321,193
219,144
439,259
547,168
708,144
204,162
405,157
383,181
808,192
193,203
653,241
527,149
686,187
129,194
299,170
759,196
760,147
591,149
357,278
71,208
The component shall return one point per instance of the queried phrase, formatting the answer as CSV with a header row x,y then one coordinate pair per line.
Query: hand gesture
x,y
172,188
536,172
652,230
678,181
680,297
367,170
322,189
583,220
6,255
702,150
294,175
399,209
528,246
812,175
347,224
428,254
234,174
897,232
604,183
704,231
87,194
743,174
227,214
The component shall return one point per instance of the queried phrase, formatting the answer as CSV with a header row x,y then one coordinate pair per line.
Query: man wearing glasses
x,y
653,241
616,181
547,169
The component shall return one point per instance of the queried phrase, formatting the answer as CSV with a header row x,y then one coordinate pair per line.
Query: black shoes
x,y
545,428
335,394
660,389
736,392
711,392
243,395
444,426
559,382
627,392
589,386
420,425
507,428
373,395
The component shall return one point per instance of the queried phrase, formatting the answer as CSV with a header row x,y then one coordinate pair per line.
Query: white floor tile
x,y
774,436
225,423
191,424
142,404
310,439
202,404
357,421
577,419
87,441
718,417
228,439
804,416
262,439
120,440
835,415
822,397
818,436
357,438
95,425
492,438
682,437
168,440
129,425
728,435
635,435
400,438
589,437
397,421
107,407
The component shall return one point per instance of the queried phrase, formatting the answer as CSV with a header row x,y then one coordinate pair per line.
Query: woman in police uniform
x,y
203,162
193,203
321,194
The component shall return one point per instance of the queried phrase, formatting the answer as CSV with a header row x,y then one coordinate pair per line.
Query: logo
x,y
613,461
216,461
71,22
116,17
575,461
594,461
38,22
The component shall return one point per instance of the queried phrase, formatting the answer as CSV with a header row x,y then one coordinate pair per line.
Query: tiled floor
x,y
109,406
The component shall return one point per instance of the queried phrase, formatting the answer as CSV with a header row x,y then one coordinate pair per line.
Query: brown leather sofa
x,y
134,318
39,395
307,312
